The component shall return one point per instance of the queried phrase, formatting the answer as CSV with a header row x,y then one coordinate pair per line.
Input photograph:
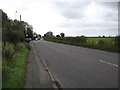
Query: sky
x,y
72,17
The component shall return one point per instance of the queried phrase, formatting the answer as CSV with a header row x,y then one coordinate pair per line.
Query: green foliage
x,y
19,45
72,39
14,36
14,72
5,71
102,42
8,50
14,52
29,32
57,35
105,43
62,34
27,46
14,31
117,41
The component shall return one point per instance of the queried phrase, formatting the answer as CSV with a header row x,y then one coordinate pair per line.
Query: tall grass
x,y
14,72
8,50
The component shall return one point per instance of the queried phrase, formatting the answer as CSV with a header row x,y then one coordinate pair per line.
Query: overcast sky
x,y
72,17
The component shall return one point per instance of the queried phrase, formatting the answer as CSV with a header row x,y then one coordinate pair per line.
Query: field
x,y
105,40
102,43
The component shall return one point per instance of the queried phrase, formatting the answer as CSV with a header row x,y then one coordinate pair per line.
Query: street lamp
x,y
20,22
15,15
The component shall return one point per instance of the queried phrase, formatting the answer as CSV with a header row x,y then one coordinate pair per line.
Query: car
x,y
28,40
36,39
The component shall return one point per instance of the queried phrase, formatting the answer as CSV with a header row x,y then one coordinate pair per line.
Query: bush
x,y
8,50
27,45
15,36
102,42
14,73
5,71
19,46
76,39
117,41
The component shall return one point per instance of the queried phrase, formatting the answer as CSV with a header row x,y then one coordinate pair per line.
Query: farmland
x,y
101,43
110,40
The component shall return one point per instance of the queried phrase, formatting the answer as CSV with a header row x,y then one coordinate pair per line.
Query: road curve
x,y
78,67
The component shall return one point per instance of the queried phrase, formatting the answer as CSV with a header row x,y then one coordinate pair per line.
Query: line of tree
x,y
14,31
61,35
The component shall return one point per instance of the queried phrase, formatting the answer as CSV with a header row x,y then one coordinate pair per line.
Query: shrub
x,y
14,73
19,46
77,39
8,50
5,71
101,42
57,35
117,41
27,45
14,36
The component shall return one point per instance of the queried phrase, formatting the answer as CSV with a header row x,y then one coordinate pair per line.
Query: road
x,y
78,67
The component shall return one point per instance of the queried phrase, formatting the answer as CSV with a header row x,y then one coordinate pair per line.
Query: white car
x,y
36,38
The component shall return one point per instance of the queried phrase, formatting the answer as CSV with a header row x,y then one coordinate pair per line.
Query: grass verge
x,y
14,73
93,46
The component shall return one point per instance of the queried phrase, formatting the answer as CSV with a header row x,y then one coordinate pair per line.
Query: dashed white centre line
x,y
109,63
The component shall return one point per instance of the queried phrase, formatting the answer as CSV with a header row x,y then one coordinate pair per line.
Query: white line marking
x,y
109,63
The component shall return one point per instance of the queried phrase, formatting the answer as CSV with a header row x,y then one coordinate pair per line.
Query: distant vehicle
x,y
28,40
36,39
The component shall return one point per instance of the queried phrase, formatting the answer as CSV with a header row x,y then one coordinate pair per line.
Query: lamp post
x,y
15,15
20,22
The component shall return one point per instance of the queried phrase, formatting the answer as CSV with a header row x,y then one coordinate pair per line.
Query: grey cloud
x,y
75,10
112,5
71,10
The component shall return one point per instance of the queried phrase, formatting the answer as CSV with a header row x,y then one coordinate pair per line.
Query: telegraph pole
x,y
20,18
15,15
20,22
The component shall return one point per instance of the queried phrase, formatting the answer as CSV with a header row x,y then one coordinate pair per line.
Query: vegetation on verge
x,y
14,51
103,43
14,68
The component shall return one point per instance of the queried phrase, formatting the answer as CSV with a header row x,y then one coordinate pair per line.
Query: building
x,y
48,34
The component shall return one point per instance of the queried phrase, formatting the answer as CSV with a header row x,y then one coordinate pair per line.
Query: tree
x,y
14,31
4,24
14,36
62,34
57,35
29,31
103,36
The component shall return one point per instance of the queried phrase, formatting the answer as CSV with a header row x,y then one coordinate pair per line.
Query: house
x,y
48,34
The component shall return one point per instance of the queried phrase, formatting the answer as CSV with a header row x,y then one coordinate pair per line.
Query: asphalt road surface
x,y
78,67
37,76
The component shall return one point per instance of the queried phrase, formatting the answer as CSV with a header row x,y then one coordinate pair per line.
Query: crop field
x,y
95,40
102,43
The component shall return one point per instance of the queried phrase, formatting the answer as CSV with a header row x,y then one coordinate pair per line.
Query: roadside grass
x,y
14,69
0,44
92,42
